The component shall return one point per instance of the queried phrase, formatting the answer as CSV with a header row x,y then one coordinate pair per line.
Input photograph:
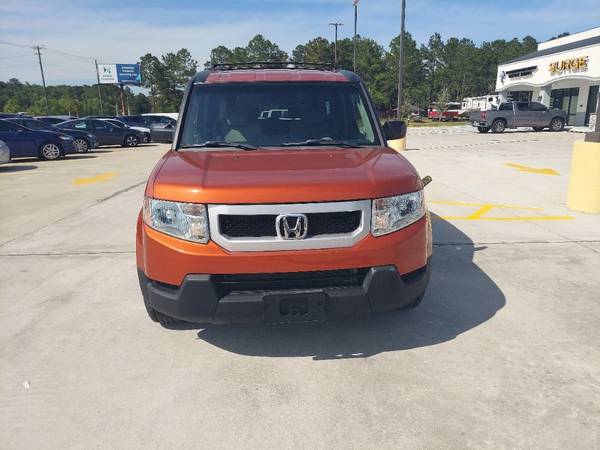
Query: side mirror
x,y
394,129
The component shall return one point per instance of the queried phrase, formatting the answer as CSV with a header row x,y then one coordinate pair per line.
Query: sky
x,y
121,31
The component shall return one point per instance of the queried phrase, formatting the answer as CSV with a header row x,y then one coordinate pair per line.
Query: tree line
x,y
438,71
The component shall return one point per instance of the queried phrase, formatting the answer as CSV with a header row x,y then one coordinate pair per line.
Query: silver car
x,y
4,153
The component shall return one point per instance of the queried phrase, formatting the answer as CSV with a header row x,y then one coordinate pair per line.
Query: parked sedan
x,y
144,130
4,153
106,133
24,142
83,141
162,128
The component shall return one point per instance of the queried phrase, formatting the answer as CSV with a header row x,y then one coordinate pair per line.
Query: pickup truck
x,y
281,201
518,114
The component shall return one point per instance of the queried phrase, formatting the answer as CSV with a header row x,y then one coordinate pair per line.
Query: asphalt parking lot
x,y
504,351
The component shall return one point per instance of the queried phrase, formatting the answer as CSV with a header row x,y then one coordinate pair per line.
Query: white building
x,y
563,73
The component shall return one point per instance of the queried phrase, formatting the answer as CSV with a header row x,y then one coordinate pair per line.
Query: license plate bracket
x,y
302,306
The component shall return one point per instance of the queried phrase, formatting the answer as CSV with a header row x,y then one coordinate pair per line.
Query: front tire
x,y
81,145
557,124
498,126
483,129
131,141
50,151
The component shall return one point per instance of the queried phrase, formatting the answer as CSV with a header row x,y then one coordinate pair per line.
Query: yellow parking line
x,y
522,168
484,208
516,218
481,205
101,178
481,211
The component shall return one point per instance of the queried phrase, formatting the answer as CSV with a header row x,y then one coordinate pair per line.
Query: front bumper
x,y
285,297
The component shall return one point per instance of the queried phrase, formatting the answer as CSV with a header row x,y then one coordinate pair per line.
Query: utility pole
x,y
355,3
335,25
37,48
400,59
122,100
99,91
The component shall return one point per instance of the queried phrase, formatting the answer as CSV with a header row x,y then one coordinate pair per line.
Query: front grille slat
x,y
263,225
341,278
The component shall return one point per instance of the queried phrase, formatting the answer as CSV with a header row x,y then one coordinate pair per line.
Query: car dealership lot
x,y
503,352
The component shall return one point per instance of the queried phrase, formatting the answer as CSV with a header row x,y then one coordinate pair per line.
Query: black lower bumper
x,y
286,297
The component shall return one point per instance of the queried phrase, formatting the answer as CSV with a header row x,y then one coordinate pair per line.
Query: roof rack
x,y
272,65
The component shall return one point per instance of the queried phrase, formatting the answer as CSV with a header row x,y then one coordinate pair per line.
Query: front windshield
x,y
272,114
117,123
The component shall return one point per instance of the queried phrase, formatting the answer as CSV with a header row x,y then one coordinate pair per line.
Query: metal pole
x,y
37,48
354,38
122,100
336,25
99,90
400,59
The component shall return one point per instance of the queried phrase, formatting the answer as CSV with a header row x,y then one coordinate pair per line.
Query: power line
x,y
14,56
70,55
16,45
58,52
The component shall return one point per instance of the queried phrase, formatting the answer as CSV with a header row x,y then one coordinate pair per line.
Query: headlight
x,y
392,213
187,221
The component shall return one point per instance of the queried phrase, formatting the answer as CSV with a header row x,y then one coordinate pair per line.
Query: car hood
x,y
282,176
142,129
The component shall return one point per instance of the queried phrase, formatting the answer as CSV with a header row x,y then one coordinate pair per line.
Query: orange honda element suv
x,y
280,201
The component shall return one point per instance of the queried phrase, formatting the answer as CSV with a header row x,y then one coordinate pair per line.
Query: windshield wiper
x,y
321,141
208,144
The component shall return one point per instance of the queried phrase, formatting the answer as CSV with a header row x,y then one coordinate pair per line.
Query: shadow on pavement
x,y
17,168
78,156
460,297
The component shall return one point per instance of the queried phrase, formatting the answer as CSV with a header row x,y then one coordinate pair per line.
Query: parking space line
x,y
484,208
100,178
527,169
481,205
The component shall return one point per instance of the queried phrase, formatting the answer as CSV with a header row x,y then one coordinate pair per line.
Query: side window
x,y
534,106
362,119
81,125
506,107
523,106
31,124
101,125
5,127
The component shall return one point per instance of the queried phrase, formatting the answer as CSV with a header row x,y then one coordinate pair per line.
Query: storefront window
x,y
565,99
591,104
520,96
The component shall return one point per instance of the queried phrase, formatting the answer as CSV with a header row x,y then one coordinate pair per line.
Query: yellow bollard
x,y
398,144
584,182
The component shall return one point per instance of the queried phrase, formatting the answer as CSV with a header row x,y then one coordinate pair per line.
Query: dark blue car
x,y
24,142
83,141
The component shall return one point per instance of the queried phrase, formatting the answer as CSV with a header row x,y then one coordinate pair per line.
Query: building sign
x,y
569,64
119,74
